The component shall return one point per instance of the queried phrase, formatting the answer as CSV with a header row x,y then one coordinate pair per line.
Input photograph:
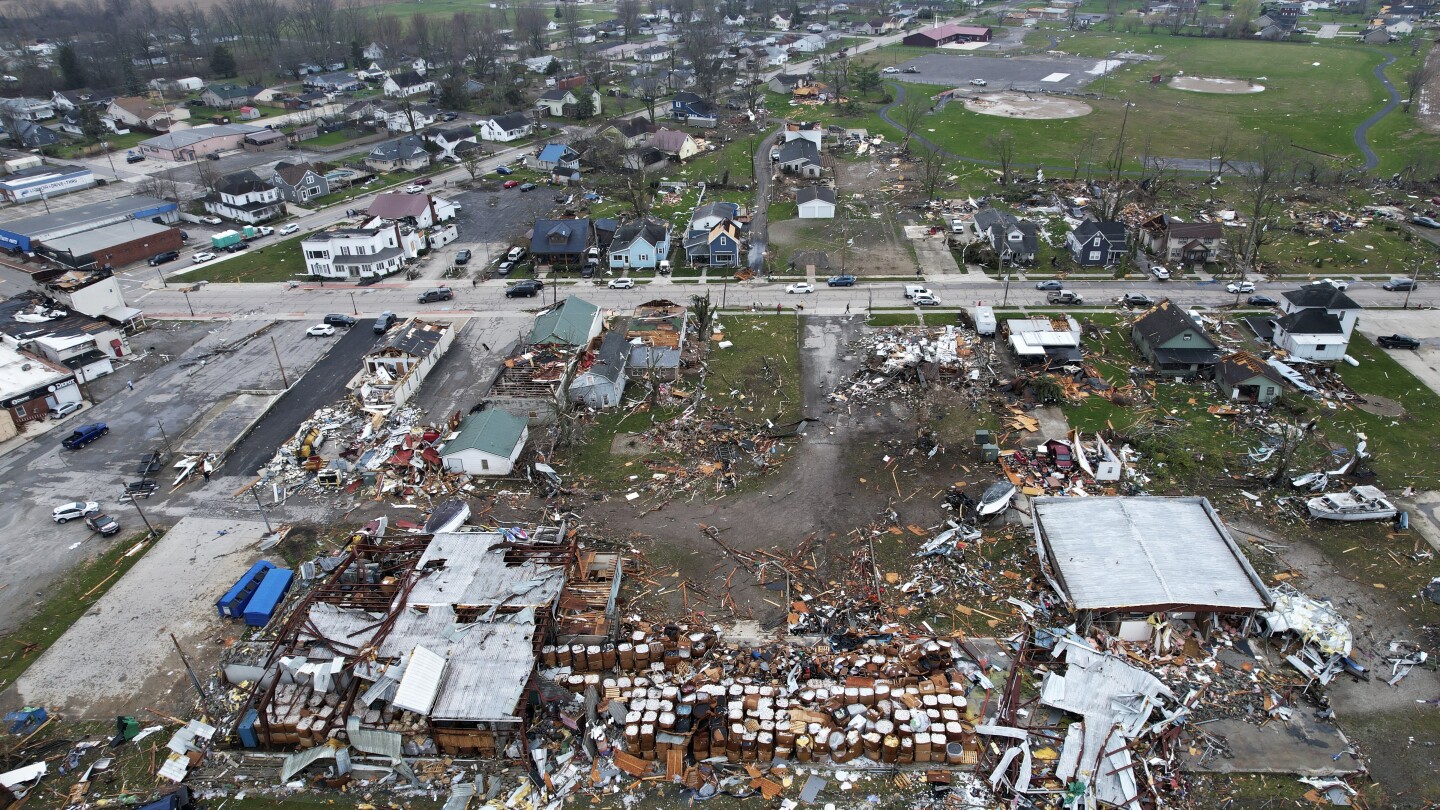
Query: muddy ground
x,y
868,224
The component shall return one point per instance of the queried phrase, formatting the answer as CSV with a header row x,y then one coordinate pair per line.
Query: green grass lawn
x,y
336,138
783,209
1373,250
67,600
202,114
763,365
273,261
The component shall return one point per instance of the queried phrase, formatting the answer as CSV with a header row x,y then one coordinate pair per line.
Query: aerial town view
x,y
783,405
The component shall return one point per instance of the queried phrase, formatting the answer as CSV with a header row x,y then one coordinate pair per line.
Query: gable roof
x,y
241,183
229,91
1323,295
1164,321
554,94
1313,321
800,149
669,140
652,231
403,148
493,430
1236,368
408,78
511,121
1193,230
570,236
293,173
450,134
632,127
610,358
568,323
1113,232
397,205
812,193
556,152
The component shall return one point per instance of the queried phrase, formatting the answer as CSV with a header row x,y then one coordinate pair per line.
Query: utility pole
x,y
194,680
355,308
186,293
283,381
163,436
255,490
135,499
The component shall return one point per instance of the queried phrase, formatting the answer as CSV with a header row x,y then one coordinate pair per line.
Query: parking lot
x,y
1035,73
488,230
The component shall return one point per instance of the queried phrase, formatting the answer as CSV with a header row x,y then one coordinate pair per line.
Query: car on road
x,y
504,268
450,116
436,294
339,320
1428,222
320,330
386,320
64,409
911,69
978,82
1342,286
516,254
924,300
1159,272
621,283
1051,284
504,170
211,220
423,182
463,257
842,280
84,434
890,71
528,186
103,523
1064,297
510,184
237,247
74,510
289,228
265,230
800,288
525,288
202,257
1401,285
162,258
1237,287
1262,301
1397,341
414,189
1137,300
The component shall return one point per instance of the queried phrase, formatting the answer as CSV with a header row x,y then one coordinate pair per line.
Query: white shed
x,y
816,202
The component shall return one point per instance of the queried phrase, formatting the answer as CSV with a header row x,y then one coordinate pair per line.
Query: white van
x,y
912,290
984,321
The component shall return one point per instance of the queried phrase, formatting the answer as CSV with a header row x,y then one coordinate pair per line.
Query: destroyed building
x,y
1244,378
400,362
600,380
1118,560
535,379
1045,338
656,334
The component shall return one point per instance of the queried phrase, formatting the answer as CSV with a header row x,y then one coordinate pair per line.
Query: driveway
x,y
1423,362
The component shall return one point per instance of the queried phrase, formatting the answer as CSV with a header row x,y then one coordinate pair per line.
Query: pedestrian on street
x,y
847,307
474,282
130,384
777,308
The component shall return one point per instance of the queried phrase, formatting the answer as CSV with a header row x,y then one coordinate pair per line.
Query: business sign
x,y
48,187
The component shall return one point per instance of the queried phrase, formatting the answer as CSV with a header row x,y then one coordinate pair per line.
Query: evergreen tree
x,y
72,73
222,62
133,85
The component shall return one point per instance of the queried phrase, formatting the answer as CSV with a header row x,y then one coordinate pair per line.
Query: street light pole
x,y
283,381
355,308
186,293
163,436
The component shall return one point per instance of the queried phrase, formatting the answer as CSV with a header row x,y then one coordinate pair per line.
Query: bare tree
x,y
1002,146
1417,79
703,45
932,171
1260,187
911,111
210,176
1083,155
530,27
627,14
471,161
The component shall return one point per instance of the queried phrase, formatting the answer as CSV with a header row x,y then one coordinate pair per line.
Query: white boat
x,y
1360,503
996,498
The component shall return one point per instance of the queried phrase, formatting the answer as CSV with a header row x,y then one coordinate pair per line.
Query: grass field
x,y
764,362
276,261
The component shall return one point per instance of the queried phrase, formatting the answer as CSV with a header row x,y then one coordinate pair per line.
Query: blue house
x,y
687,106
720,246
640,245
557,156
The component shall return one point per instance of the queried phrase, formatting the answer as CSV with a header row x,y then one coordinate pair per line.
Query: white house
x,y
449,138
398,365
566,103
488,443
356,253
406,83
1315,323
244,197
508,127
816,202
407,117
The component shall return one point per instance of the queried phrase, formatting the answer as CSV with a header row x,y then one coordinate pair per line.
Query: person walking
x,y
130,384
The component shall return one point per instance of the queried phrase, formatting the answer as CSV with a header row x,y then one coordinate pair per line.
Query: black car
x,y
528,186
588,271
1401,285
1137,300
1398,341
237,247
463,257
436,294
103,523
841,281
910,70
167,256
340,320
528,288
449,116
1262,301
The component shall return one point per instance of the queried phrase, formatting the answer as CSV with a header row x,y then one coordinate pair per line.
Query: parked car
x,y
64,409
436,294
525,288
162,258
103,523
1401,285
925,300
423,182
1428,222
504,268
134,158
340,320
84,434
504,170
202,257
237,247
841,281
1397,341
528,186
385,321
911,69
1064,297
890,70
621,283
73,510
449,116
1051,284
463,257
1237,287
1262,301
1159,272
265,230
510,184
320,330
516,254
211,220
590,269
1137,300
978,82
413,189
289,228
800,288
1337,284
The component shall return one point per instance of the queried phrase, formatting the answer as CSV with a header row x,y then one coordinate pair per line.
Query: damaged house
x,y
399,363
1182,242
534,380
656,337
1242,377
488,443
600,381
1173,342
1015,241
1045,338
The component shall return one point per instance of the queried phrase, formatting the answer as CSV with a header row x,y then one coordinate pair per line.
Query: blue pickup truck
x,y
85,434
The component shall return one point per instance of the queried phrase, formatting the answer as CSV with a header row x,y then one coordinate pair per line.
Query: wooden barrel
x,y
626,653
804,748
608,659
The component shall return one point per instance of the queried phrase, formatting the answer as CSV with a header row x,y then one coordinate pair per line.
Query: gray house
x,y
1097,244
801,157
1014,240
602,383
299,182
1171,340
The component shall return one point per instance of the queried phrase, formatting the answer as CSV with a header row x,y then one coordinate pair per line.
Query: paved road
x,y
1371,159
324,384
760,221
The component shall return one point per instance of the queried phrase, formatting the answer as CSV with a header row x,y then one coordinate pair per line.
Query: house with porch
x,y
407,153
511,126
1014,240
800,157
1315,323
557,156
691,108
641,244
299,182
1097,244
244,197
133,111
559,102
1171,341
405,84
449,138
228,96
560,242
1186,243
